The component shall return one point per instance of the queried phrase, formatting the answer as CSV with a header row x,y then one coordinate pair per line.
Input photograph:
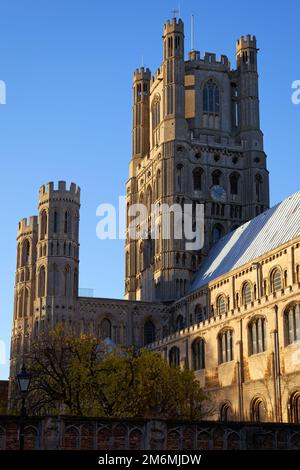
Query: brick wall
x,y
109,434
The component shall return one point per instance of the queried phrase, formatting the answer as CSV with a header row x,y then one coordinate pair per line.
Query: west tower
x,y
204,145
47,269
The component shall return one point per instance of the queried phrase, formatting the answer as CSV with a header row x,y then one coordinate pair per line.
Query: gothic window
x,y
276,280
26,303
67,281
257,333
211,98
198,354
155,110
43,225
258,410
42,282
179,173
55,222
149,332
246,294
216,177
221,305
295,408
149,199
179,322
234,183
199,313
25,253
158,183
292,324
105,328
217,233
226,413
67,223
258,187
226,346
174,356
197,179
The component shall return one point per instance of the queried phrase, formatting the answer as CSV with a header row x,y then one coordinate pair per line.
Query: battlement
x,y
208,58
156,75
142,74
173,26
49,191
26,225
244,43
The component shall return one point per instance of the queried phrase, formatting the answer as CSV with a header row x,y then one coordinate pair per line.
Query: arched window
x,y
295,407
217,233
155,111
75,283
246,294
105,328
25,253
221,305
44,219
234,183
67,281
179,172
158,184
226,346
149,199
149,332
226,413
198,354
26,303
42,282
258,187
211,98
216,177
257,332
174,356
197,179
67,223
179,322
276,280
198,313
258,410
292,324
55,222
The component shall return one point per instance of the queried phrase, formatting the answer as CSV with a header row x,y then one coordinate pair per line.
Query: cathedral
x,y
230,311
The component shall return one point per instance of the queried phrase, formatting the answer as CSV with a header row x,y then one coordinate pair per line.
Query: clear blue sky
x,y
68,68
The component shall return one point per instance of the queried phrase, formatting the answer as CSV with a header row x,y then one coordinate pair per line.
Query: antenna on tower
x,y
192,33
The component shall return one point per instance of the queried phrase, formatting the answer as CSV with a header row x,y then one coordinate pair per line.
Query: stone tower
x,y
47,268
196,139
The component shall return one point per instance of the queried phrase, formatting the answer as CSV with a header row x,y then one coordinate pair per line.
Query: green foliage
x,y
80,376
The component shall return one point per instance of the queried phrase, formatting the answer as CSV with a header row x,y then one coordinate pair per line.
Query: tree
x,y
81,376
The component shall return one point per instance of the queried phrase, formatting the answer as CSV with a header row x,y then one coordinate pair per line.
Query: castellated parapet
x,y
142,74
246,42
61,193
173,26
25,226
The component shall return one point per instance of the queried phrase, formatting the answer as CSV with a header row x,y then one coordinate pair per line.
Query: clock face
x,y
218,193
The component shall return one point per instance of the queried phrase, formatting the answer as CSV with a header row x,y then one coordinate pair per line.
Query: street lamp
x,y
24,379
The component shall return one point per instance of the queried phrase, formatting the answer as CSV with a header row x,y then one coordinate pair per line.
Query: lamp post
x,y
23,378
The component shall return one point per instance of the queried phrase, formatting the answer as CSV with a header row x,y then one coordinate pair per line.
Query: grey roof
x,y
265,232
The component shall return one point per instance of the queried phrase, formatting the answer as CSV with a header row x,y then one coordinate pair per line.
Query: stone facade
x,y
69,433
196,138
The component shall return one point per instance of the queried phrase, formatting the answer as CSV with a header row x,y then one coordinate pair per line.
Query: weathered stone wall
x,y
111,434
